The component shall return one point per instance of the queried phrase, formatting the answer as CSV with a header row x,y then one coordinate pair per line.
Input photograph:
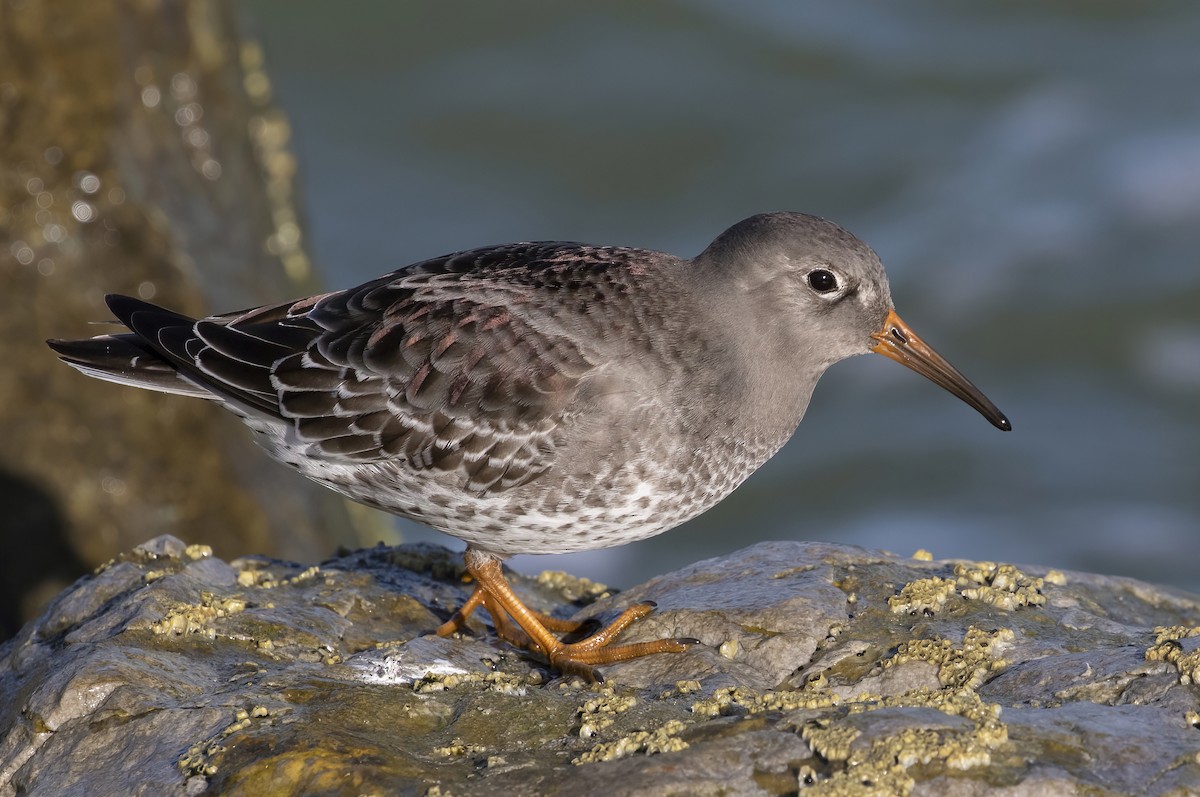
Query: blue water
x,y
1029,173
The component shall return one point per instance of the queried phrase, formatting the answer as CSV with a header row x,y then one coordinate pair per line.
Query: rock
x,y
824,667
141,154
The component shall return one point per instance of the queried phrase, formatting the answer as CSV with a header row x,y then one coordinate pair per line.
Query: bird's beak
x,y
897,342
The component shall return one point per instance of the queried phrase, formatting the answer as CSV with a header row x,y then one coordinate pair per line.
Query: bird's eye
x,y
822,280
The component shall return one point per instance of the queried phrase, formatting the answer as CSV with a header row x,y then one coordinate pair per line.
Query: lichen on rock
x,y
262,676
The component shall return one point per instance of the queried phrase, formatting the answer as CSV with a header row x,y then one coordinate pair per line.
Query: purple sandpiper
x,y
540,397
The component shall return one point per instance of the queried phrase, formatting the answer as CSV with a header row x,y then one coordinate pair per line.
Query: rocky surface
x,y
824,669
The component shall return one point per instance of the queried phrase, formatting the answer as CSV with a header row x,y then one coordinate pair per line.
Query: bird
x,y
540,397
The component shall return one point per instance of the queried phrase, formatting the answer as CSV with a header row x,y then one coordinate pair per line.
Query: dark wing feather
x,y
127,360
457,365
177,340
448,365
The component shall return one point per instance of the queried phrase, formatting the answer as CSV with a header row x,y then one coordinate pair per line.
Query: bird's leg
x,y
458,620
576,658
479,596
611,631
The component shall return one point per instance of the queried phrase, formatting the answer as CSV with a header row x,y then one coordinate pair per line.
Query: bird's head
x,y
824,296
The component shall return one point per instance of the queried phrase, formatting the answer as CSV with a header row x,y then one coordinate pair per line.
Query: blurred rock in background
x,y
139,154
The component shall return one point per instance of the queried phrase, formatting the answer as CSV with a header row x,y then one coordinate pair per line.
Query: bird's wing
x,y
457,364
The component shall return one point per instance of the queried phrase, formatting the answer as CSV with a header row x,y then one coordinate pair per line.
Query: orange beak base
x,y
898,342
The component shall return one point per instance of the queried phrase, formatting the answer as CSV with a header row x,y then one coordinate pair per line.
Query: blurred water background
x,y
1029,172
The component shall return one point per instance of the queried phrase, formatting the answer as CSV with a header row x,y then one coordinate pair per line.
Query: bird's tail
x,y
127,359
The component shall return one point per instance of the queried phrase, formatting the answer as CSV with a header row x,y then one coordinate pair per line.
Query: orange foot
x,y
519,625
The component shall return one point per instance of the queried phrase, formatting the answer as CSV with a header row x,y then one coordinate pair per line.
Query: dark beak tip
x,y
897,342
